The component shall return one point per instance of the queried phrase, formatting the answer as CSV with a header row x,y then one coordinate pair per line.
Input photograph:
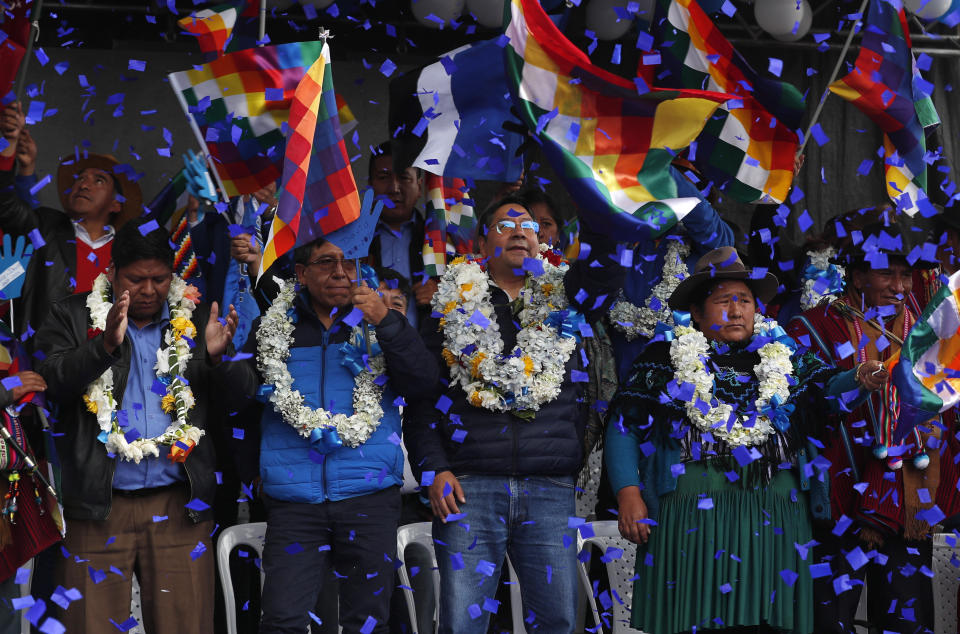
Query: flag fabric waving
x,y
447,117
14,33
169,209
926,372
611,146
317,176
886,85
747,147
450,222
238,103
212,27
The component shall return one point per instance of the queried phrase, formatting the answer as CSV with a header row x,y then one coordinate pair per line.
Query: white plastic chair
x,y
946,579
620,569
251,535
421,535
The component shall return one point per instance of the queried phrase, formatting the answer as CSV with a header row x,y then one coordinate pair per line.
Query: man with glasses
x,y
500,468
330,455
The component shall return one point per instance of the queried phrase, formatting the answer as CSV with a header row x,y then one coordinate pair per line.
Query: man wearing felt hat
x,y
72,247
885,488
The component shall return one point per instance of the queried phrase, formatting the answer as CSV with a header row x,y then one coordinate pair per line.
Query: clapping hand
x,y
219,334
116,327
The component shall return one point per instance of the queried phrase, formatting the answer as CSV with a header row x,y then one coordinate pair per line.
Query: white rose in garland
x,y
274,339
529,375
641,321
689,352
172,361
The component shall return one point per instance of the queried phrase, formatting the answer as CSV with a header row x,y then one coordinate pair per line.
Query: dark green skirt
x,y
731,565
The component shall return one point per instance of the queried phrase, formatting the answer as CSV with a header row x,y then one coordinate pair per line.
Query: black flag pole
x,y
34,32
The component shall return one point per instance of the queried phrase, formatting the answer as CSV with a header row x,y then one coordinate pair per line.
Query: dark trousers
x,y
899,595
355,538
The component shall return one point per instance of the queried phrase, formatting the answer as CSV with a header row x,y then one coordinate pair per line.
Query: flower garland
x,y
273,349
689,352
821,278
529,375
641,321
172,361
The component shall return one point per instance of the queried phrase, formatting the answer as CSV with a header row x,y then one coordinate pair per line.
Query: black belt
x,y
142,493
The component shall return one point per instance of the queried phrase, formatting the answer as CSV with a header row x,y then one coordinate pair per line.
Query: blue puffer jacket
x,y
292,470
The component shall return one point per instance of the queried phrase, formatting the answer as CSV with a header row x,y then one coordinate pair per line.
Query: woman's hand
x,y
632,511
871,375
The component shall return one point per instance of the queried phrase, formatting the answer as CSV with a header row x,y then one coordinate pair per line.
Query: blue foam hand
x,y
199,184
354,239
13,266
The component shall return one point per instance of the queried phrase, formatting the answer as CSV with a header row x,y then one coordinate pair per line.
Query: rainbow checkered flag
x,y
611,146
748,146
212,27
237,104
926,371
886,85
319,194
169,209
450,222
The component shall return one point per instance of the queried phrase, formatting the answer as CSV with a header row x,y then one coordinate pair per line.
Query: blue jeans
x,y
527,518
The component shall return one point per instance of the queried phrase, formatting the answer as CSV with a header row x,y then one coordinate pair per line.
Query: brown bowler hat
x,y
722,264
131,208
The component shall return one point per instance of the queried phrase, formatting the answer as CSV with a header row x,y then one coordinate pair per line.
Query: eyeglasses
x,y
329,264
509,225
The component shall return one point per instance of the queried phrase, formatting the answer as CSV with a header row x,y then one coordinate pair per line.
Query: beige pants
x,y
176,587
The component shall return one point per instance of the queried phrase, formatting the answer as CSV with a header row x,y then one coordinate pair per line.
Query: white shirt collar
x,y
81,233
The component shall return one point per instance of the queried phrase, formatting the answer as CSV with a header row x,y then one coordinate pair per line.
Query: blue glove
x,y
199,184
13,266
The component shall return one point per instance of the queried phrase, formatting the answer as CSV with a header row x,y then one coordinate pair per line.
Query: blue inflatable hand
x,y
13,266
199,184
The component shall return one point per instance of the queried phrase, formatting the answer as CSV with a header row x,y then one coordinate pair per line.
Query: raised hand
x,y
369,302
116,328
26,154
219,334
12,122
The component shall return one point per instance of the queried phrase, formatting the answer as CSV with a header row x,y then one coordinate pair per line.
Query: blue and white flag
x,y
447,117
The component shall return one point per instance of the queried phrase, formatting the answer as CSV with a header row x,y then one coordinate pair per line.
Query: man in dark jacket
x,y
133,377
71,247
398,242
330,455
501,478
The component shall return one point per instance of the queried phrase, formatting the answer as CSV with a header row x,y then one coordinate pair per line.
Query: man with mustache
x,y
500,462
873,496
72,247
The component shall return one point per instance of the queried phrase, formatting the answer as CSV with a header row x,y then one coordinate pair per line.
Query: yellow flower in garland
x,y
91,405
475,365
464,289
547,288
449,357
475,399
448,307
167,403
527,366
182,326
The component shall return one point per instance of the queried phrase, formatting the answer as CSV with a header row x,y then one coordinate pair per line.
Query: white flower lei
x,y
689,351
273,349
533,372
810,296
172,361
641,321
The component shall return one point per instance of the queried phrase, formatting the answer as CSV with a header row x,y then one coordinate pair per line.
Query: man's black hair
x,y
387,275
301,254
384,149
485,219
134,242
